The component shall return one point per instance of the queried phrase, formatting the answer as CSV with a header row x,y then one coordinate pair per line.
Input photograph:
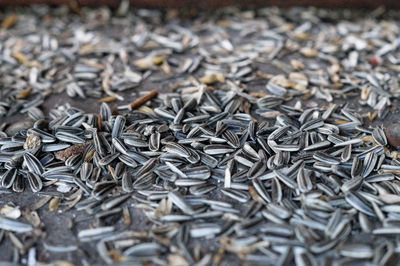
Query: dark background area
x,y
215,3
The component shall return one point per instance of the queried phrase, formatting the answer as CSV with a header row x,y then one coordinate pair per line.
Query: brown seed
x,y
9,21
393,135
107,99
24,93
89,155
20,57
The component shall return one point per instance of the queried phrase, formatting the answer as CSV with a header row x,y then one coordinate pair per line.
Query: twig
x,y
145,98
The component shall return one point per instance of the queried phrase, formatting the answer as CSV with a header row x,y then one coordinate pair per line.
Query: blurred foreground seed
x,y
393,135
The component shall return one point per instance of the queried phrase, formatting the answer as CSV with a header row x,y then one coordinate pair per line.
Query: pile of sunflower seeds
x,y
281,173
